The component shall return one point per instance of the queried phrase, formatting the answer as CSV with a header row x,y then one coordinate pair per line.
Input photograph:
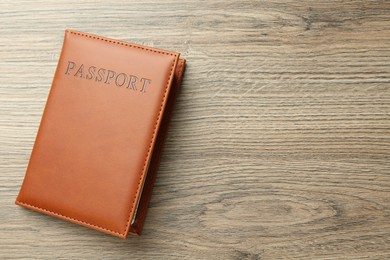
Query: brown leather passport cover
x,y
98,146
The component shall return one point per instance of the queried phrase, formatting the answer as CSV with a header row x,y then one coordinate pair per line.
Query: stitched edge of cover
x,y
151,141
180,71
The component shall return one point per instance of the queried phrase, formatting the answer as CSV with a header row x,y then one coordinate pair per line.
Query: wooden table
x,y
279,145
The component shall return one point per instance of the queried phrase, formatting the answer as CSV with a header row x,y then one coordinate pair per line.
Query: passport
x,y
99,143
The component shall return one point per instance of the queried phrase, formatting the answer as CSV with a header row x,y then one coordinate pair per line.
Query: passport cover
x,y
99,143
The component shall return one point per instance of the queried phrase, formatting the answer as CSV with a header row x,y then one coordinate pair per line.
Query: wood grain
x,y
280,141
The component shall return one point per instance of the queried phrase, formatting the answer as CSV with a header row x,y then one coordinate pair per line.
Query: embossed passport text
x,y
99,143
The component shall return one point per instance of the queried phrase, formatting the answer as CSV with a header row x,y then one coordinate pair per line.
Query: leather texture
x,y
99,143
